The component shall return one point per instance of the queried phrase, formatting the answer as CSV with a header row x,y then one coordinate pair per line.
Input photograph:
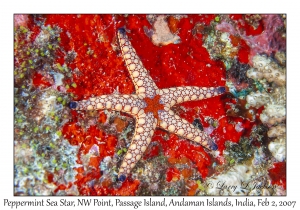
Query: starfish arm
x,y
144,84
125,103
174,124
144,129
172,96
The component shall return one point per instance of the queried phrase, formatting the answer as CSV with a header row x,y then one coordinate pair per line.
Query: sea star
x,y
150,106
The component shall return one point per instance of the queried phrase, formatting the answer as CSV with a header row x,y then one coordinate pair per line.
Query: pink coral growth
x,y
270,40
227,27
20,20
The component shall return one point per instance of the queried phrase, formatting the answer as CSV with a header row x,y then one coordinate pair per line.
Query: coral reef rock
x,y
274,101
265,68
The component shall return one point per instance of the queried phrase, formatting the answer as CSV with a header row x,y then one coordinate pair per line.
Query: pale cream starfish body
x,y
150,107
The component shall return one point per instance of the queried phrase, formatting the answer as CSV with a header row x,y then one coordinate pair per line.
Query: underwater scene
x,y
150,105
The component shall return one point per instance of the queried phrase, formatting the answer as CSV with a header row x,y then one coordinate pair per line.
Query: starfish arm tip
x,y
213,146
122,178
73,105
121,30
221,90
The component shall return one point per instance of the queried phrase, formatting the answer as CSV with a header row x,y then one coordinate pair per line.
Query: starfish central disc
x,y
153,105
